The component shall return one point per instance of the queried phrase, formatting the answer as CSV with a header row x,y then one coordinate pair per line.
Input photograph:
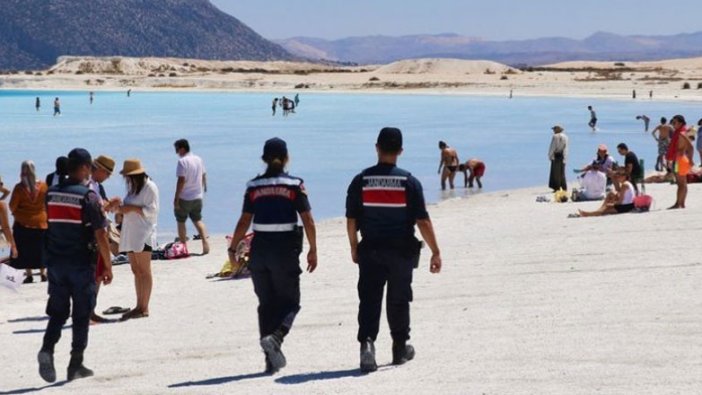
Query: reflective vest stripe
x,y
64,213
384,197
274,181
274,227
65,221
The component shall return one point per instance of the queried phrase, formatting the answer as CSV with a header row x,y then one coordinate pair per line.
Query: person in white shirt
x,y
621,201
140,210
190,189
558,154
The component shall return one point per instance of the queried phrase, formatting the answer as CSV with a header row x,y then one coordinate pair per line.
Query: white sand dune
x,y
529,301
443,67
666,80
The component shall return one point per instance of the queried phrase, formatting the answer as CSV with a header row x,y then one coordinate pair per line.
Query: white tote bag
x,y
10,277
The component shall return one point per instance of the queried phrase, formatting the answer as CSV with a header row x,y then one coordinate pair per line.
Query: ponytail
x,y
275,165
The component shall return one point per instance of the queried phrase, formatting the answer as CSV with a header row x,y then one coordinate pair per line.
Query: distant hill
x,y
599,46
34,33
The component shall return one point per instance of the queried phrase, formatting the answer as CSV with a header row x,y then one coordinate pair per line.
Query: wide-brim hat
x,y
105,163
557,129
132,167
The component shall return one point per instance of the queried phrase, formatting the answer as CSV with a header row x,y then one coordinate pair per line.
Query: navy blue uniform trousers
x,y
275,272
378,266
70,283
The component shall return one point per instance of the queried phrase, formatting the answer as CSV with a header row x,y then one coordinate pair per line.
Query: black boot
x,y
368,356
76,370
46,365
401,353
275,359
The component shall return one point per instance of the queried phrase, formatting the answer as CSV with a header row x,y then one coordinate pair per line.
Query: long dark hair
x,y
135,183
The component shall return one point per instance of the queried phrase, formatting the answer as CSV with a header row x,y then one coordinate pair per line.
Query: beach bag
x,y
176,250
10,277
240,268
560,196
642,203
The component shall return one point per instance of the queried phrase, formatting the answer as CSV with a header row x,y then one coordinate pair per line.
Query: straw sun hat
x,y
132,167
105,162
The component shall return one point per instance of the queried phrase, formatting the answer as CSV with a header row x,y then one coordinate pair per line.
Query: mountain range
x,y
34,33
599,46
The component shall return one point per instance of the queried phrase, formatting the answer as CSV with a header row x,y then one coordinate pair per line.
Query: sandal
x,y
133,314
116,310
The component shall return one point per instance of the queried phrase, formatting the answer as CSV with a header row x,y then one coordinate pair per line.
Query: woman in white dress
x,y
140,210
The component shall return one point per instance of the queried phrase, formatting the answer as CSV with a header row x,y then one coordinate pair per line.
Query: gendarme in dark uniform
x,y
272,204
384,202
75,216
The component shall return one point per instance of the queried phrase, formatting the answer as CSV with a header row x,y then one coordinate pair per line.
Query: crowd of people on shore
x,y
62,228
62,223
676,152
132,231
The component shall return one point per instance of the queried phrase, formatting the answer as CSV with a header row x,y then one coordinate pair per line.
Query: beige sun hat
x,y
557,129
105,163
132,167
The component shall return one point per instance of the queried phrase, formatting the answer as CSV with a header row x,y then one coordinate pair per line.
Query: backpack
x,y
175,250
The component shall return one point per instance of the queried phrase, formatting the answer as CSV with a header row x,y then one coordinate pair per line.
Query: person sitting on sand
x,y
593,186
476,168
449,162
620,201
603,161
632,165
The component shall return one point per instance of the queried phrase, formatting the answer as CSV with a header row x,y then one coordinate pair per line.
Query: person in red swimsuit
x,y
476,168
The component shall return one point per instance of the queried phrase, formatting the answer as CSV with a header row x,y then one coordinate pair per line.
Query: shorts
x,y
452,169
593,122
479,170
682,166
663,146
147,248
189,208
624,208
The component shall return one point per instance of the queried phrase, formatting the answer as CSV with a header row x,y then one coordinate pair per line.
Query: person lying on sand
x,y
660,178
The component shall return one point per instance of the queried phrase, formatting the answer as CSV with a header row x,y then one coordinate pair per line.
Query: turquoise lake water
x,y
330,139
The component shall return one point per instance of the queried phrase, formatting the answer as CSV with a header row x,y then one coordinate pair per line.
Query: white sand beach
x,y
529,301
617,80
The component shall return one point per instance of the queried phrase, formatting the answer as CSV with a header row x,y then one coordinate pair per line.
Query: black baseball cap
x,y
275,148
79,157
390,140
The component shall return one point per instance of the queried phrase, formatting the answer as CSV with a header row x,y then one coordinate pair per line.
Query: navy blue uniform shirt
x,y
275,200
386,202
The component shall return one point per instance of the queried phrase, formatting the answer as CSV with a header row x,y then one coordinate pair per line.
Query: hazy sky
x,y
490,19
